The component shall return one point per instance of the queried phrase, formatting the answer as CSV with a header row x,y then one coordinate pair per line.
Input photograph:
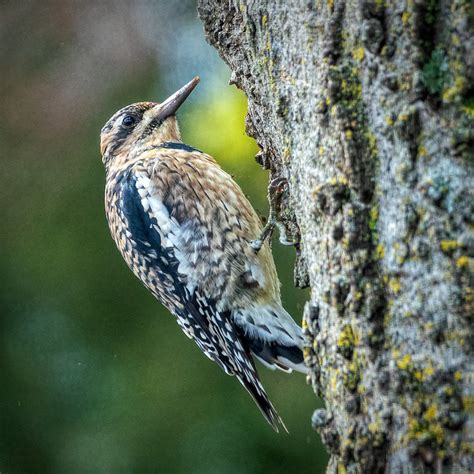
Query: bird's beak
x,y
174,102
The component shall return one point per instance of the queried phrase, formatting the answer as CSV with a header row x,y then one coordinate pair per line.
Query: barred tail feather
x,y
257,392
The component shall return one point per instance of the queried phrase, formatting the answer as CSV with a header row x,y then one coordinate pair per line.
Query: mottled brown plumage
x,y
185,228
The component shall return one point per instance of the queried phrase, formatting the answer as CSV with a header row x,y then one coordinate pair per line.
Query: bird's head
x,y
142,125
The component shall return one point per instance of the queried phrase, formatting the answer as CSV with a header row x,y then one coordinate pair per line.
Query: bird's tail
x,y
255,388
236,359
239,362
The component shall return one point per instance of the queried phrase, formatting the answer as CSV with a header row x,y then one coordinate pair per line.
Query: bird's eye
x,y
129,121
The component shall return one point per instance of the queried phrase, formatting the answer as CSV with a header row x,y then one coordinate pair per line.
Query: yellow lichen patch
x,y
349,134
352,88
455,90
346,338
469,110
306,352
341,469
431,413
405,86
459,337
330,4
373,216
389,120
344,37
422,375
406,18
380,251
304,324
436,430
413,425
448,245
426,430
351,376
462,261
357,338
422,151
468,297
358,54
333,379
338,180
468,403
317,190
321,151
404,362
394,285
264,20
372,141
374,427
403,117
457,375
428,372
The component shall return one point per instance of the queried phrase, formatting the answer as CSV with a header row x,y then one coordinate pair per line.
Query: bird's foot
x,y
276,189
266,233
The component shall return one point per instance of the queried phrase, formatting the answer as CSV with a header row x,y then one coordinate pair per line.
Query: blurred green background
x,y
95,375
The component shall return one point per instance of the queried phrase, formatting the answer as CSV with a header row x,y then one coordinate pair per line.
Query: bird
x,y
187,231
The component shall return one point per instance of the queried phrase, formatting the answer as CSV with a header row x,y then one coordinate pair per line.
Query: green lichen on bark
x,y
366,109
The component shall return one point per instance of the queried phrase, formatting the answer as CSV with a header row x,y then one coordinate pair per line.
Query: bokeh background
x,y
95,375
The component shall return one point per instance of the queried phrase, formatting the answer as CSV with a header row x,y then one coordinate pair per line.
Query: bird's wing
x,y
152,259
212,224
151,232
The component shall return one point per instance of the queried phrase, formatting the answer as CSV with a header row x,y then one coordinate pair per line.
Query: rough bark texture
x,y
366,109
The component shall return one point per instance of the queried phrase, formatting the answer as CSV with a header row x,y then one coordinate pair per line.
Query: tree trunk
x,y
366,108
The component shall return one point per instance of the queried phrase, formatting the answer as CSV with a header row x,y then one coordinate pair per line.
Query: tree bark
x,y
366,109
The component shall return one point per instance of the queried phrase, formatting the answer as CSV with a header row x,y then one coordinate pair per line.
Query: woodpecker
x,y
187,231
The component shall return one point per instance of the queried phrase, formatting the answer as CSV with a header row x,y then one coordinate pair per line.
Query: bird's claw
x,y
256,244
265,234
277,188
